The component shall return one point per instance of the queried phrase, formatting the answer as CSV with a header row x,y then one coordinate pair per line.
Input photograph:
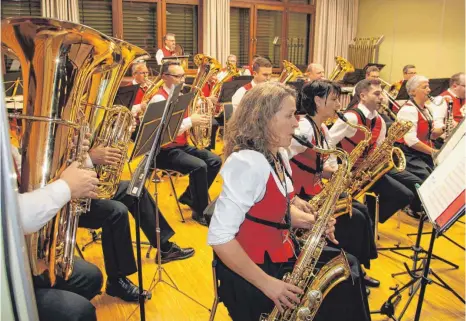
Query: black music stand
x,y
126,95
229,88
438,86
245,77
297,85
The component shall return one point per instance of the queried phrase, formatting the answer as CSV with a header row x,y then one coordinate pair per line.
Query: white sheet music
x,y
459,133
447,181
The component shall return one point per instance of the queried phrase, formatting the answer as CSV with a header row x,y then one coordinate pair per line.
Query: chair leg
x,y
213,310
80,253
95,237
377,214
176,197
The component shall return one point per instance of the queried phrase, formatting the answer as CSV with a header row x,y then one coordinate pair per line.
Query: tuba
x,y
207,67
316,284
342,67
232,71
290,72
110,123
57,60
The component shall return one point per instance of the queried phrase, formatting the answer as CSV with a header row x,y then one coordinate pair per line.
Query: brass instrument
x,y
152,88
342,67
449,118
390,95
289,73
232,71
111,124
207,67
57,60
364,50
316,285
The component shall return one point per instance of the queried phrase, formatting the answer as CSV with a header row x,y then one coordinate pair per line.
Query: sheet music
x,y
446,183
451,143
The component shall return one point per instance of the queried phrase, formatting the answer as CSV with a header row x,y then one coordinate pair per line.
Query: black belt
x,y
278,226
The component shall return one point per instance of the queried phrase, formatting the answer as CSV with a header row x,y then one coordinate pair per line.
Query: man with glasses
x,y
140,74
202,165
409,71
169,48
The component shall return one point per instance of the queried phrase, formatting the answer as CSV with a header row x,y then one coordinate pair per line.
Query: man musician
x,y
168,50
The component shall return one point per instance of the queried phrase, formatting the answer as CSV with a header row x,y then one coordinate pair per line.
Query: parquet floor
x,y
193,276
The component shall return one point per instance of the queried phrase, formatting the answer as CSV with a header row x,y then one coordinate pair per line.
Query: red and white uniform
x,y
163,53
440,112
420,131
235,100
250,186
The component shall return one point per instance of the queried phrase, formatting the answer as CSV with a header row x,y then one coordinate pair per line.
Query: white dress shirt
x,y
38,207
159,55
439,113
235,100
410,112
187,123
135,109
305,128
340,130
245,175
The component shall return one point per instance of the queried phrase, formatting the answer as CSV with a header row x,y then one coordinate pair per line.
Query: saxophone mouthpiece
x,y
303,140
341,116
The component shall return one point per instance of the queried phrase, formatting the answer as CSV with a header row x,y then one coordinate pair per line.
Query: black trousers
x,y
417,163
216,123
393,196
345,302
112,217
202,166
69,300
409,180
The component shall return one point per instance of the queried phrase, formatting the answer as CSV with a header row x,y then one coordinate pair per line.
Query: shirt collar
x,y
135,82
368,114
168,90
452,93
253,83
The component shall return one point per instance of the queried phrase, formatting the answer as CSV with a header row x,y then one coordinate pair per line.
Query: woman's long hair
x,y
249,127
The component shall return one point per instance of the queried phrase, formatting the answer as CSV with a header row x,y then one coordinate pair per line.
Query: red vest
x,y
423,130
256,238
166,52
457,104
139,95
348,144
182,139
248,86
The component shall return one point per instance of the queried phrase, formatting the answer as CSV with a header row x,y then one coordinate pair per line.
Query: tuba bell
x,y
342,67
289,73
57,61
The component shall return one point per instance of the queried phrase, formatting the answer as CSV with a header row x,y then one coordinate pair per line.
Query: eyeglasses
x,y
412,73
142,72
176,76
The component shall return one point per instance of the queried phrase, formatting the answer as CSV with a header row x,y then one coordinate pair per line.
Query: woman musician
x,y
249,228
320,100
417,143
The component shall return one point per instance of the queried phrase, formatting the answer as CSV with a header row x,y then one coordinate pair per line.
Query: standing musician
x,y
248,231
261,71
67,300
320,101
315,71
456,92
417,143
393,194
169,48
202,165
112,216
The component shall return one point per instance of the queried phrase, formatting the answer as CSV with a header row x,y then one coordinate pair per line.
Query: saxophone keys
x,y
303,313
314,297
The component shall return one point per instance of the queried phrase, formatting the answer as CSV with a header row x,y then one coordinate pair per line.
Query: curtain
x,y
337,22
216,29
61,9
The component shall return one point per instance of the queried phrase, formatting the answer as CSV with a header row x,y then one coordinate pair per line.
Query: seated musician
x,y
315,71
248,231
140,72
233,61
112,216
67,300
393,195
417,143
456,92
320,100
261,71
168,50
201,165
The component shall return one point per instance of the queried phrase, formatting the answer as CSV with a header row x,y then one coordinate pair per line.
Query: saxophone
x,y
317,285
57,61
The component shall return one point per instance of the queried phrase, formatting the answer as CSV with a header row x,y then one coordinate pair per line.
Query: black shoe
x,y
124,289
186,200
410,212
368,291
176,253
200,219
373,283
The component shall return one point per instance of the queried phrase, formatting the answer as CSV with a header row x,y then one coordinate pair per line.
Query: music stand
x,y
126,95
438,86
352,78
229,88
245,77
13,84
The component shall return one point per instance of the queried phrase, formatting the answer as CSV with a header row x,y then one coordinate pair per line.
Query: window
x,y
97,14
182,21
239,34
268,34
298,38
140,27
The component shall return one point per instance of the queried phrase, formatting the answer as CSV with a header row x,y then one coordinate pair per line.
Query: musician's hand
x,y
303,205
82,182
436,133
302,219
281,293
101,155
330,231
133,125
213,100
198,119
143,108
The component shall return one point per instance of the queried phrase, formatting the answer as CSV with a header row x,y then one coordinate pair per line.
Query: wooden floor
x,y
194,277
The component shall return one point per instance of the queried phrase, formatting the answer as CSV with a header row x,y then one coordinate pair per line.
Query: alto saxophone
x,y
316,285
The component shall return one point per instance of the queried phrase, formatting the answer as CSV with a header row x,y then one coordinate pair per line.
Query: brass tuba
x,y
289,73
207,67
342,67
316,284
57,60
232,71
110,123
